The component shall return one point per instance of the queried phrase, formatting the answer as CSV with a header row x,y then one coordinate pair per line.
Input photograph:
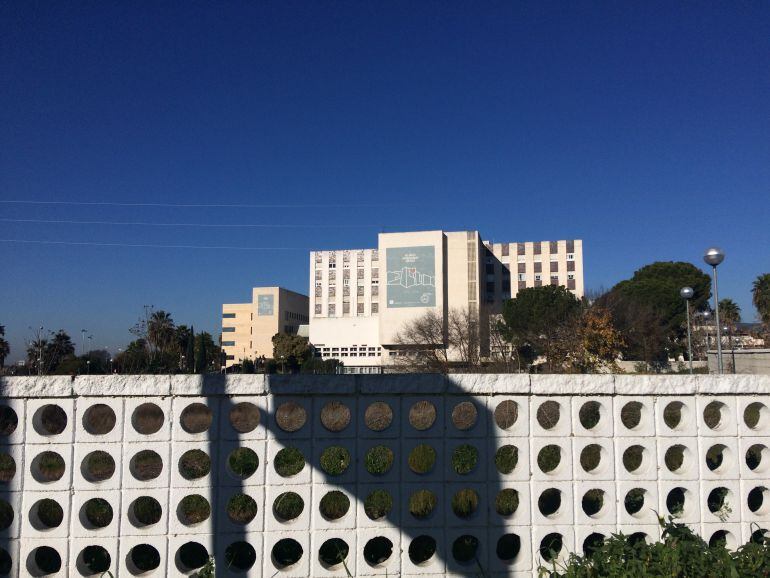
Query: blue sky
x,y
642,128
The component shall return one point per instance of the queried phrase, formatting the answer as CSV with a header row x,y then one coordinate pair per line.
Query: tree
x,y
286,345
760,294
5,349
729,312
190,352
161,331
206,352
536,318
135,359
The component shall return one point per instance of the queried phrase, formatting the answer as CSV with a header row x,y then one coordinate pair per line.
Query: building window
x,y
229,357
520,248
491,287
228,344
332,309
538,267
522,285
570,246
346,289
571,276
489,269
332,292
375,307
228,315
571,284
522,267
346,308
570,256
345,256
506,249
360,290
318,290
360,308
346,274
375,290
375,273
554,279
332,265
554,267
554,247
360,274
507,285
538,248
228,329
318,257
522,277
375,255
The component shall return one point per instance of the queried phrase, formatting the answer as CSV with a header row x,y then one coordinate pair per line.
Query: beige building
x,y
248,328
362,298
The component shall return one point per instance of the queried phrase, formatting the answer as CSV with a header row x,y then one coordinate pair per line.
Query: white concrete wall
x,y
27,397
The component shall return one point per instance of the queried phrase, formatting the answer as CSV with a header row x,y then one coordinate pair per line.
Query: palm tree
x,y
160,330
761,297
5,349
729,312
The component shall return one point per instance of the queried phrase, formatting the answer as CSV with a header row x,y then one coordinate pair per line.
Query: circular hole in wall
x,y
95,513
333,552
241,509
194,464
674,458
506,414
508,547
754,413
590,414
46,514
7,468
757,457
335,460
142,558
290,416
592,543
9,421
289,462
334,505
718,499
145,465
422,459
590,457
465,457
6,514
240,557
637,538
244,417
593,501
675,501
465,548
193,509
147,419
191,556
712,414
548,458
378,504
422,415
422,503
378,416
422,549
464,415
634,501
49,420
759,536
673,414
335,416
379,460
758,500
93,560
632,458
550,546
196,418
506,458
548,414
99,419
377,551
285,553
716,457
47,467
145,511
549,502
288,506
507,502
631,415
6,562
43,561
465,502
97,467
721,539
242,463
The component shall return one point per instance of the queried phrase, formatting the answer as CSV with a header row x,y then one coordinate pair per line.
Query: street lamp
x,y
686,293
714,256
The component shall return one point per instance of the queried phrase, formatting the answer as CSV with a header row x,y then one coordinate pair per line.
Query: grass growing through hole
x,y
6,515
7,468
243,462
464,458
51,466
147,465
548,458
147,510
335,460
289,462
334,505
422,459
194,464
506,458
195,509
422,503
241,509
50,513
288,506
100,466
465,502
507,502
465,548
98,512
378,504
378,460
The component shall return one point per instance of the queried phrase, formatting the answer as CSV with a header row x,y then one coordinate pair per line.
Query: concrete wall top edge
x,y
476,384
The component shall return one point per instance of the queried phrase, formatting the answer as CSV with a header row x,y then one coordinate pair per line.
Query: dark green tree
x,y
206,352
5,349
190,352
286,346
760,296
729,312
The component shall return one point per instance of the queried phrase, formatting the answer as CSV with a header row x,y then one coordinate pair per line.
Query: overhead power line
x,y
207,225
216,205
153,246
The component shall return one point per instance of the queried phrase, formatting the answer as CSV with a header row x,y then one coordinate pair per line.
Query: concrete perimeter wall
x,y
670,439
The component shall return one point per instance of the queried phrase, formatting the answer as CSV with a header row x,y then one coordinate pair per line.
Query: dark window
x,y
490,269
228,329
554,266
538,249
228,315
554,247
490,286
229,357
570,265
522,267
538,267
520,248
570,246
570,284
506,249
507,285
538,283
554,281
228,344
522,285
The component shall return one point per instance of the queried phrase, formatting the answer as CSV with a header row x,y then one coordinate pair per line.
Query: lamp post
x,y
686,293
714,256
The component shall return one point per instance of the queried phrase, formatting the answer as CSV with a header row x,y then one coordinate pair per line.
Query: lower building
x,y
248,328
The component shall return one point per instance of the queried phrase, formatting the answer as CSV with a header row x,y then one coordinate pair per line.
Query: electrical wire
x,y
153,246
204,225
215,205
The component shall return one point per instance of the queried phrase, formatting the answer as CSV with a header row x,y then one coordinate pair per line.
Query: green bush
x,y
422,459
50,513
241,509
681,554
548,458
464,458
378,460
289,462
51,466
378,504
243,462
100,466
147,510
335,460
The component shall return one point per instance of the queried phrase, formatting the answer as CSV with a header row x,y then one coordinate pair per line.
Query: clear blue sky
x,y
641,127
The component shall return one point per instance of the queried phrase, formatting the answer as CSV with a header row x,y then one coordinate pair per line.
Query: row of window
x,y
360,256
352,351
291,316
360,309
537,248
